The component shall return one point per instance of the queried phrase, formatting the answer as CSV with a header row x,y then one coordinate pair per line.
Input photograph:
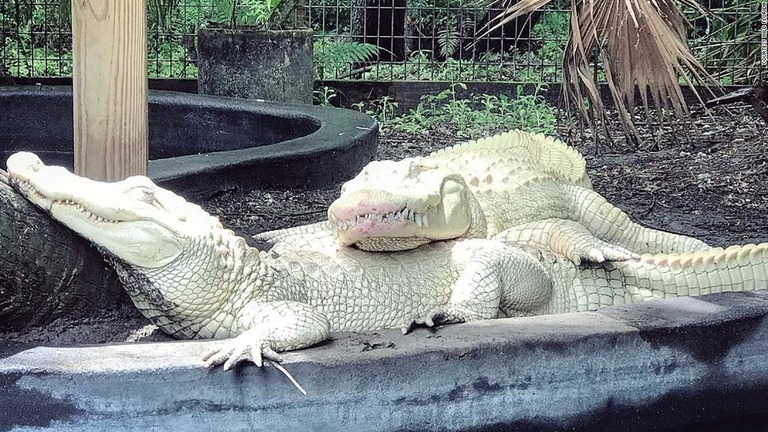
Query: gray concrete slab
x,y
655,366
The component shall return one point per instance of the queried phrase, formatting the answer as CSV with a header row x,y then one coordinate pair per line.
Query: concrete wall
x,y
656,366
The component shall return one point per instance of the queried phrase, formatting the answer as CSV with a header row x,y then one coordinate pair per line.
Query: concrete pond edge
x,y
663,365
215,143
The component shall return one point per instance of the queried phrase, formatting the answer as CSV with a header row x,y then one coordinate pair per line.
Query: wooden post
x,y
109,86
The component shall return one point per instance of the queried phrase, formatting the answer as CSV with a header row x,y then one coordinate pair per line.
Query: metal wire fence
x,y
383,40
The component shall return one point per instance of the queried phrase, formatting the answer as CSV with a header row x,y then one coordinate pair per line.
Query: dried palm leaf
x,y
642,44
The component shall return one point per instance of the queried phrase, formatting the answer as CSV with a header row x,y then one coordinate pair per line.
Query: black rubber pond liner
x,y
199,145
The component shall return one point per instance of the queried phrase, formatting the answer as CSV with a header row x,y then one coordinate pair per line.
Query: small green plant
x,y
324,95
384,110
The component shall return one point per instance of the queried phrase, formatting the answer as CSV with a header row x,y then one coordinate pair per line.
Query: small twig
x,y
651,207
285,372
355,72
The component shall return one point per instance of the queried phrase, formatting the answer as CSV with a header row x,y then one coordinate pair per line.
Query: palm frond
x,y
642,45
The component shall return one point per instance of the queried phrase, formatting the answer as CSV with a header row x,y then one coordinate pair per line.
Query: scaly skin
x,y
195,279
490,188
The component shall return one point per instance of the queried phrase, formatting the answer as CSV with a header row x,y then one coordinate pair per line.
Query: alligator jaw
x,y
123,217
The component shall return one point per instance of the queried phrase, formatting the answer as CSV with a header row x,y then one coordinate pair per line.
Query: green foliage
x,y
160,13
171,61
33,46
447,20
420,66
21,60
264,14
730,45
330,16
236,13
471,117
334,57
170,17
37,39
536,66
172,30
552,29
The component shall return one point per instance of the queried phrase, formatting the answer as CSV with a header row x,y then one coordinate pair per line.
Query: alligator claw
x,y
236,351
601,252
434,317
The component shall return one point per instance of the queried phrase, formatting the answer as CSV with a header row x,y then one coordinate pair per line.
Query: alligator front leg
x,y
564,237
499,277
271,327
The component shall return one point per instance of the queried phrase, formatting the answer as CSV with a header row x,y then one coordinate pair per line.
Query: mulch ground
x,y
706,181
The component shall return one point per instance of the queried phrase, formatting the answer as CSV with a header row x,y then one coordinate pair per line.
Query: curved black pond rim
x,y
199,145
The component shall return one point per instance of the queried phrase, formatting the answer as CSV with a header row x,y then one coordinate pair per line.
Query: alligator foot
x,y
246,347
565,237
600,251
434,317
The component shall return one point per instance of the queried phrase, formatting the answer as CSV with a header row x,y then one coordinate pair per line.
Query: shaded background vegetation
x,y
434,40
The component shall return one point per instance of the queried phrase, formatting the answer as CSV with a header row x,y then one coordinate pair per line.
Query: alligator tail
x,y
737,268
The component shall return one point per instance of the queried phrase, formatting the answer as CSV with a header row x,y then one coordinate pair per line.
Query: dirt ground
x,y
707,182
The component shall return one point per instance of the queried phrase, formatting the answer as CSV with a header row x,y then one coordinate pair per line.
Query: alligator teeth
x,y
420,219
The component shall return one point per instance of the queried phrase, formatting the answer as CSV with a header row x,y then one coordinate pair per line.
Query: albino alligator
x,y
522,188
195,279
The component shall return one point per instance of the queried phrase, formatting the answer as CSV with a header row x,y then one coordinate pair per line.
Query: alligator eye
x,y
427,165
147,195
414,170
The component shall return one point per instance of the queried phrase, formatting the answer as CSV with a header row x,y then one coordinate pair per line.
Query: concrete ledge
x,y
660,365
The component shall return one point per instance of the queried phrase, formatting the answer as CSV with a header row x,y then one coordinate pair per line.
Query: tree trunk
x,y
46,270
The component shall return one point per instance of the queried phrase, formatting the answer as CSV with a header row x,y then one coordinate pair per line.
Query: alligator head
x,y
401,205
144,225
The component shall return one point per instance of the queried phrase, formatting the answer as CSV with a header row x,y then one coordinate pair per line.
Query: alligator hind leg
x,y
607,222
564,237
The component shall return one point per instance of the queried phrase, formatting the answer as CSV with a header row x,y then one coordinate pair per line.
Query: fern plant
x,y
332,57
449,41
